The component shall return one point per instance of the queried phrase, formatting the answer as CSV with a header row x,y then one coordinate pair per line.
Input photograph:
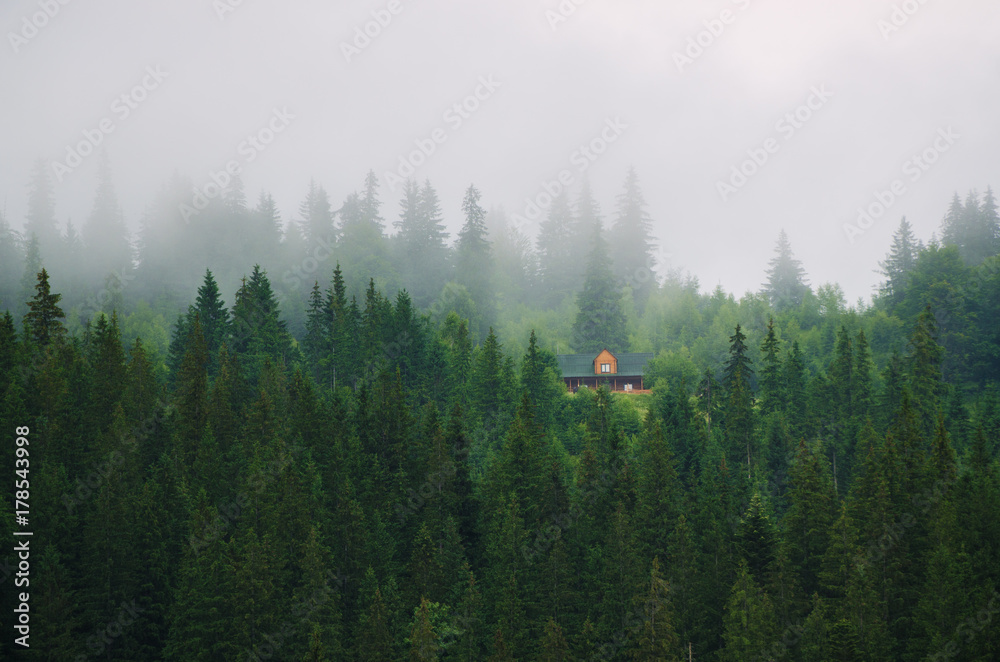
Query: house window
x,y
605,367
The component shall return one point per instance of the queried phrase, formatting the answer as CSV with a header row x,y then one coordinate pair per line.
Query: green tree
x,y
786,285
739,408
632,243
600,320
42,319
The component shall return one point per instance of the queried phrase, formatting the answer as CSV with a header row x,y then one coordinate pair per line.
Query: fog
x,y
692,89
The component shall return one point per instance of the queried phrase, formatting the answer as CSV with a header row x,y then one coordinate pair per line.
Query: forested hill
x,y
353,446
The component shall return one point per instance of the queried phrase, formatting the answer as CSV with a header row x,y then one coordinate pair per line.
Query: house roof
x,y
582,365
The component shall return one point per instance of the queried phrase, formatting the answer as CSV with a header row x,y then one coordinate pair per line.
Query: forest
x,y
334,436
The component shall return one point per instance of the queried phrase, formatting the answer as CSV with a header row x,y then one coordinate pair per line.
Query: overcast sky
x,y
883,88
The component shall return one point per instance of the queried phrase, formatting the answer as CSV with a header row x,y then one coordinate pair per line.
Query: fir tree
x,y
42,319
786,286
600,321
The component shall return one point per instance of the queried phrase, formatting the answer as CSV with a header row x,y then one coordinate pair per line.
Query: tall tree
x,y
104,233
786,285
632,242
559,266
739,409
474,259
42,319
600,321
899,263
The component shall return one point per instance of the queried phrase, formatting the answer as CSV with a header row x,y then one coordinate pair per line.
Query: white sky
x,y
686,130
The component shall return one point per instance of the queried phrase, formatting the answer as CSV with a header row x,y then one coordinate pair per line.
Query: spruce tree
x,y
786,285
632,243
600,320
42,319
739,408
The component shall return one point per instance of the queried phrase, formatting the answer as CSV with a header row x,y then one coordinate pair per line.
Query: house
x,y
620,372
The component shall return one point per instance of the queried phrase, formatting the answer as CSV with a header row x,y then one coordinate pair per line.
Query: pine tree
x,y
559,270
786,285
423,639
317,222
656,640
810,513
42,319
104,233
739,412
771,382
631,242
925,370
11,259
756,539
600,321
41,218
474,259
899,263
553,647
749,621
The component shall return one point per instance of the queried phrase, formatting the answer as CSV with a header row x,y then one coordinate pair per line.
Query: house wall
x,y
605,357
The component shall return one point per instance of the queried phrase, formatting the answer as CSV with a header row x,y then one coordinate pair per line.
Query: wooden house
x,y
619,372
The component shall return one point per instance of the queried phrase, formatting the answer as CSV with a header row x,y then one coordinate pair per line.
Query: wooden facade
x,y
623,373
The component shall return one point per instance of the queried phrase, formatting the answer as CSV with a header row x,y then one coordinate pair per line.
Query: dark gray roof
x,y
582,365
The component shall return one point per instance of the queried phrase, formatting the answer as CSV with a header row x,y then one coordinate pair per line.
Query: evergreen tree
x,y
739,412
559,269
899,263
474,259
41,218
771,382
41,322
749,621
786,285
600,321
656,640
104,233
632,243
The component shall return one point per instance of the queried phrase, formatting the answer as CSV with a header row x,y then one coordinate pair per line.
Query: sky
x,y
741,117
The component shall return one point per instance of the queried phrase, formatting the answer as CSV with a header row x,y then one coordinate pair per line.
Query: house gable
x,y
605,363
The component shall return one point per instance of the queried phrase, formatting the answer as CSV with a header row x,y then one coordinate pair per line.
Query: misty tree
x,y
474,259
104,233
41,218
11,262
32,265
516,264
316,215
362,248
899,263
420,242
786,285
973,227
264,229
600,321
558,268
631,241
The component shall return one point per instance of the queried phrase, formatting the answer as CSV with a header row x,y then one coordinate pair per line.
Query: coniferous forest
x,y
338,436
